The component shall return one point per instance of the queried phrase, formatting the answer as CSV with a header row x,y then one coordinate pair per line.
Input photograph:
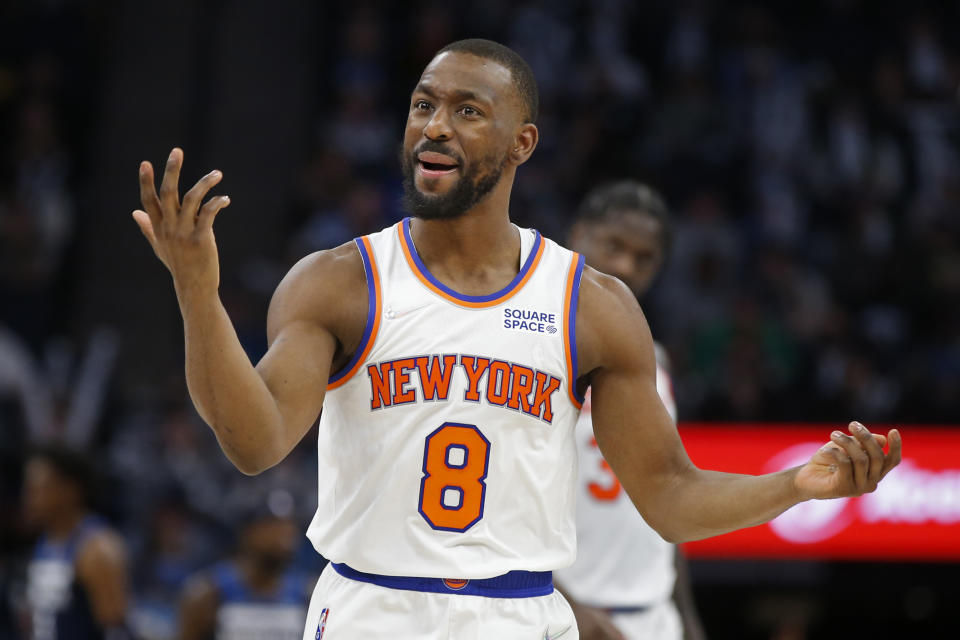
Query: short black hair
x,y
71,464
605,202
520,71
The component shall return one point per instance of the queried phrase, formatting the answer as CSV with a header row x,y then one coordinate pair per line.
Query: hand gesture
x,y
181,234
849,465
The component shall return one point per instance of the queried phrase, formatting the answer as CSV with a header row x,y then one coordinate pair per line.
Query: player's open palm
x,y
849,465
181,232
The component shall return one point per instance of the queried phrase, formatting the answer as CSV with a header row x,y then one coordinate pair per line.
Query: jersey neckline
x,y
427,279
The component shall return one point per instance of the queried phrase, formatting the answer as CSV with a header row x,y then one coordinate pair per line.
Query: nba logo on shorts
x,y
322,624
455,583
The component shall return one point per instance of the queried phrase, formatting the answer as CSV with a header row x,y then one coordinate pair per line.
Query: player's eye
x,y
469,111
421,105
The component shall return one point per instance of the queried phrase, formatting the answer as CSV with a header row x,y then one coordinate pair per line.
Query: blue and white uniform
x,y
622,565
447,460
59,608
246,615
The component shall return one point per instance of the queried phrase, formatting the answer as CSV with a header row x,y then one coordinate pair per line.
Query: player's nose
x,y
438,127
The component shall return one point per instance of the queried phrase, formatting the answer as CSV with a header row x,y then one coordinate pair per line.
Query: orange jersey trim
x,y
375,303
472,302
570,299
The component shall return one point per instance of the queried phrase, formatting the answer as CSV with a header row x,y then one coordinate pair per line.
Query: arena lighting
x,y
913,516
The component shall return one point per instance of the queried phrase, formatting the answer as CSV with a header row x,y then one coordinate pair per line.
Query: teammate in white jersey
x,y
627,581
450,428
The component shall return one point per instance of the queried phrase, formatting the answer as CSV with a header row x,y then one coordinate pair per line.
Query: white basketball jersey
x,y
621,561
446,446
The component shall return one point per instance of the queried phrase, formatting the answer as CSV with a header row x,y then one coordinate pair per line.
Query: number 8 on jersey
x,y
455,459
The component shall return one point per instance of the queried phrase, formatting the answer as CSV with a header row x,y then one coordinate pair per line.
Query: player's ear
x,y
524,143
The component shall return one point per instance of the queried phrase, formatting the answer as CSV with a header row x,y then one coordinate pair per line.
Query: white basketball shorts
x,y
349,605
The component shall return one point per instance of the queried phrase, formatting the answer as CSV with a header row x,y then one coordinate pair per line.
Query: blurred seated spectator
x,y
77,582
257,593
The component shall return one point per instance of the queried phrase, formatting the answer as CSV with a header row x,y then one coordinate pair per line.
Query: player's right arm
x,y
640,442
317,314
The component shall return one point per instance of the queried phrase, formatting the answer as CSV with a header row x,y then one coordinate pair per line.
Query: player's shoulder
x,y
316,278
102,547
340,265
611,328
326,288
605,295
201,589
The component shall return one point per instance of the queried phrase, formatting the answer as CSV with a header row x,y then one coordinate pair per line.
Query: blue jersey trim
x,y
572,329
371,315
515,584
422,268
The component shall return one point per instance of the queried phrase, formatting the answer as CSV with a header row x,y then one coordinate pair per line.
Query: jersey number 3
x,y
452,491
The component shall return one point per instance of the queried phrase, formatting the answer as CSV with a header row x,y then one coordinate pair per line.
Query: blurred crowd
x,y
810,153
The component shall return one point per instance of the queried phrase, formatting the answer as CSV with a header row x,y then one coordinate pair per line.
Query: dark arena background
x,y
810,153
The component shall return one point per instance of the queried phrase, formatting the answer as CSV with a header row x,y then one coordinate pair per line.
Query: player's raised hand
x,y
849,465
181,233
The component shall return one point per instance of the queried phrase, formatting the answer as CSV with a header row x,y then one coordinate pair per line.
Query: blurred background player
x,y
627,582
255,594
77,578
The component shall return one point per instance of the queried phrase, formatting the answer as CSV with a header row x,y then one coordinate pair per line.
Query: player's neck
x,y
478,246
63,524
472,252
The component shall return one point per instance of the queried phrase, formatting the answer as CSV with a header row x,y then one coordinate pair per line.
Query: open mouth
x,y
435,165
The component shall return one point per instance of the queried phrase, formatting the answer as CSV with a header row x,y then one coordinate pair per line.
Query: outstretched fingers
x,y
148,194
170,187
193,198
145,222
210,210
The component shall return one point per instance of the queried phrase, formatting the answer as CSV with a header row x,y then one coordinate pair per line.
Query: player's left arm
x,y
102,572
639,441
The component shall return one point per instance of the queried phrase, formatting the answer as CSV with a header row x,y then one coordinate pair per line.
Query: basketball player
x,y
256,594
450,353
77,578
625,579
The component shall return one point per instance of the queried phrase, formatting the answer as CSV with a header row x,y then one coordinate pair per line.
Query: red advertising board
x,y
913,515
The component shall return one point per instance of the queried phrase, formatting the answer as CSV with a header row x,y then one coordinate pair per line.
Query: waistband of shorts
x,y
515,584
627,610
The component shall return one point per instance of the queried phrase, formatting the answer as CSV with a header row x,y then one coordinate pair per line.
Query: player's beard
x,y
471,187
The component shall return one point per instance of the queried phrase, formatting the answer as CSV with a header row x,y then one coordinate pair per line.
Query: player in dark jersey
x,y
256,594
77,578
